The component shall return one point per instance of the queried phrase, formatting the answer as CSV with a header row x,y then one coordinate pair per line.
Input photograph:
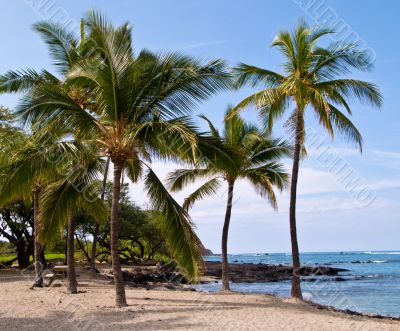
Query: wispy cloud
x,y
205,44
386,184
387,154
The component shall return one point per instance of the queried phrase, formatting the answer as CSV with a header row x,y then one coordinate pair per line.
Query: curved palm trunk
x,y
72,283
118,280
97,226
224,243
37,250
296,288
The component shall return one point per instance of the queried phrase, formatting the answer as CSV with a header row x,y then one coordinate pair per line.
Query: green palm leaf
x,y
176,227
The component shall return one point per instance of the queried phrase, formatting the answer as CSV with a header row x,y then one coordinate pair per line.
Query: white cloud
x,y
386,154
323,202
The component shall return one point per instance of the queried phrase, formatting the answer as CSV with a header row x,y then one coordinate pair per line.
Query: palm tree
x,y
140,102
64,200
66,50
28,188
26,171
311,80
12,140
12,156
255,157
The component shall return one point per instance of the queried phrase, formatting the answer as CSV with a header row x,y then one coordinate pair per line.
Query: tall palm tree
x,y
255,157
140,102
312,79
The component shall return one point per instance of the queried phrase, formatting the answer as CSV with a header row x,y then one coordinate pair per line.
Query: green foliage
x,y
255,157
313,78
7,258
11,136
68,197
6,248
132,105
140,236
16,226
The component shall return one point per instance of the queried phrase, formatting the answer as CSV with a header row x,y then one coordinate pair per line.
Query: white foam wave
x,y
382,253
307,296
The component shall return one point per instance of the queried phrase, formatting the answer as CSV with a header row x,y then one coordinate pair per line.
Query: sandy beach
x,y
22,308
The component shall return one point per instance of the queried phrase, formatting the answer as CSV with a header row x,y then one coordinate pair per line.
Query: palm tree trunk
x,y
37,247
118,280
94,247
72,283
97,226
66,247
296,288
224,242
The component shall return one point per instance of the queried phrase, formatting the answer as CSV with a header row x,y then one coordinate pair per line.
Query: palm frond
x,y
265,177
284,43
62,44
254,76
214,131
182,82
345,126
50,103
176,226
24,80
269,150
180,178
134,169
63,200
209,188
353,89
338,59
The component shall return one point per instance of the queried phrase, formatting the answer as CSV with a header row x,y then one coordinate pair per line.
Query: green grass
x,y
50,256
53,256
5,258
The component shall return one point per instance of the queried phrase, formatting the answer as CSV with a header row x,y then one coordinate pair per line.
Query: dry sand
x,y
22,308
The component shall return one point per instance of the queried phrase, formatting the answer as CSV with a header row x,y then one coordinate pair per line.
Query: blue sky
x,y
333,212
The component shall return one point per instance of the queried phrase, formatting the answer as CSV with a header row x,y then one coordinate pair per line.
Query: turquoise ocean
x,y
372,284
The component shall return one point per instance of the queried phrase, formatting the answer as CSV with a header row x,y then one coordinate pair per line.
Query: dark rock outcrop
x,y
250,273
239,273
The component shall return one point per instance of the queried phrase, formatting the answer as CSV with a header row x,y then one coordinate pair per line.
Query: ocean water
x,y
372,284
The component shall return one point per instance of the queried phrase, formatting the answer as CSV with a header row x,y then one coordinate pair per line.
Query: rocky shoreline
x,y
238,273
260,273
152,277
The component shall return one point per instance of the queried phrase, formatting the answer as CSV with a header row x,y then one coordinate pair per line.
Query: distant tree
x,y
16,225
16,215
139,236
